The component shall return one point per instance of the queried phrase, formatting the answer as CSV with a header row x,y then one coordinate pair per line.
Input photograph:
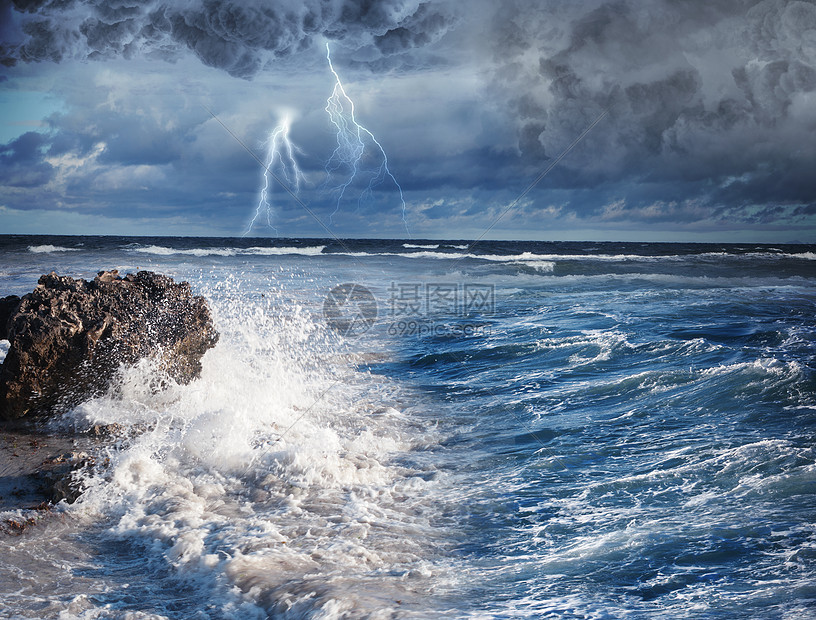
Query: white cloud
x,y
70,167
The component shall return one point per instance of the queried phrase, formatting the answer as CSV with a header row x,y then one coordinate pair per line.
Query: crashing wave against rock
x,y
69,336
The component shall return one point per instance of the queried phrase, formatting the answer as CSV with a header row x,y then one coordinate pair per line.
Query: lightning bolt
x,y
280,164
352,139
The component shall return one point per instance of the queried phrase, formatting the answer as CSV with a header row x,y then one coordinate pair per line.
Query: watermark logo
x,y
440,299
439,309
350,309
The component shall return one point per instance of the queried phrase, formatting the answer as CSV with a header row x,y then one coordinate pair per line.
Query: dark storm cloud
x,y
715,98
239,37
711,107
125,163
22,161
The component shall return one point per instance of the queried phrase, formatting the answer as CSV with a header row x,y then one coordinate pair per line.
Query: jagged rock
x,y
57,479
39,468
68,337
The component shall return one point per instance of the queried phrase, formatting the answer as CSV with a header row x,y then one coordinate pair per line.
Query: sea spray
x,y
272,479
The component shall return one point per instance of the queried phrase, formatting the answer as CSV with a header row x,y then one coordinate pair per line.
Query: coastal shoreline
x,y
36,467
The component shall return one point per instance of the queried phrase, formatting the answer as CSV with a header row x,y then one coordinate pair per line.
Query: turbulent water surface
x,y
508,430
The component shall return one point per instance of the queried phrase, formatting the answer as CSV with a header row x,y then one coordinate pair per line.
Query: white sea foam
x,y
47,249
512,258
267,482
306,251
433,246
544,266
532,256
761,367
525,257
777,254
253,251
4,347
165,251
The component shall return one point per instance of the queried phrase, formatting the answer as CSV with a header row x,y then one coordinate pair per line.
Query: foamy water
x,y
47,249
609,438
215,251
281,482
257,487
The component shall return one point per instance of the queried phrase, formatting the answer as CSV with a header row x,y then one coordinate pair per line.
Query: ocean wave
x,y
591,346
427,254
165,251
253,251
679,282
541,262
47,249
524,256
254,466
502,258
433,246
543,266
763,366
307,251
532,256
779,254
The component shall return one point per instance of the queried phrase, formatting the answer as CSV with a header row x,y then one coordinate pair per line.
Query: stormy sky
x,y
707,117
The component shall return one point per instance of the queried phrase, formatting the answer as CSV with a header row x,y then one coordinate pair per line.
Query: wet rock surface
x,y
67,339
69,336
37,470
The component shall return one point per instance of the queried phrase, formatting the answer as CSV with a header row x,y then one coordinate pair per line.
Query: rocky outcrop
x,y
40,469
68,337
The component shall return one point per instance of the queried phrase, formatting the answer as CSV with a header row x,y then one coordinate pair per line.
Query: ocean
x,y
429,429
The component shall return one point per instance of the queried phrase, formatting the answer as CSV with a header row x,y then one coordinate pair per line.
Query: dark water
x,y
581,430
